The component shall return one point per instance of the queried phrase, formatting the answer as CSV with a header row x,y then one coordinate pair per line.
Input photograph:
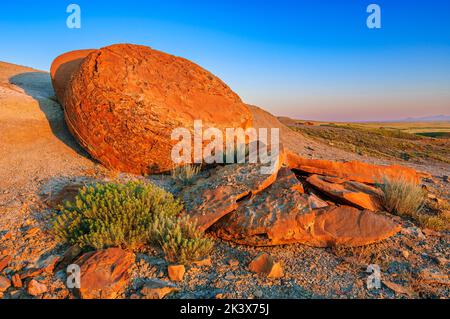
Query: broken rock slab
x,y
348,192
269,217
353,171
211,198
281,215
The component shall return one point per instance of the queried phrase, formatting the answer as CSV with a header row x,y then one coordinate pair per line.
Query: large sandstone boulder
x,y
62,69
124,101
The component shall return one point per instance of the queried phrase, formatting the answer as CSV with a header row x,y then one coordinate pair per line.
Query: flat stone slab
x,y
211,198
352,171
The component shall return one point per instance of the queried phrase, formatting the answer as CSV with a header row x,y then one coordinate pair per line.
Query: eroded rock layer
x,y
353,171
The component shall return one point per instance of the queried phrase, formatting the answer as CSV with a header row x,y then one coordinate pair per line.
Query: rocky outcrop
x,y
282,215
124,101
211,198
62,69
104,273
268,218
352,171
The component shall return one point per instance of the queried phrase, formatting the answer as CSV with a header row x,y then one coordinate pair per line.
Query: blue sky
x,y
306,59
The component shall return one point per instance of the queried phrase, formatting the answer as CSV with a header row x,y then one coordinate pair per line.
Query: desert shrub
x,y
402,197
186,173
181,240
112,215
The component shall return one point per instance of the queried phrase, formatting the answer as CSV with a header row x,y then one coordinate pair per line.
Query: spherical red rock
x,y
124,101
62,69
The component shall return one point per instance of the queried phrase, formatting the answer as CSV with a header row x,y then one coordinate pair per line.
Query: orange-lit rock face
x,y
282,215
104,273
212,198
62,69
124,101
354,171
348,226
348,192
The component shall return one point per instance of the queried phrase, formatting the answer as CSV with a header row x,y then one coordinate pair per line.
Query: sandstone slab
x,y
211,198
281,215
348,192
104,273
353,171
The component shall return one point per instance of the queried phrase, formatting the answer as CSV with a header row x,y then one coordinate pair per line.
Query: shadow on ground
x,y
38,86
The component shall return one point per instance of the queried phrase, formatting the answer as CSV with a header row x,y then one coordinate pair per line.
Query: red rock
x,y
104,273
124,101
33,231
212,198
4,284
348,226
48,265
7,236
4,262
279,216
354,171
264,264
35,288
352,193
176,272
268,217
16,281
62,69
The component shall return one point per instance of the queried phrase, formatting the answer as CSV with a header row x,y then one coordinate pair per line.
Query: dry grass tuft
x,y
402,197
186,173
406,199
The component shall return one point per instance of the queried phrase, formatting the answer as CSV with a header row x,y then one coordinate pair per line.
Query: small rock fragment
x,y
16,281
264,264
35,288
4,283
176,272
4,262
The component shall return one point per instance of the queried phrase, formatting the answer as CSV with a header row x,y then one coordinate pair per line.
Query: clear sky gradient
x,y
305,59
